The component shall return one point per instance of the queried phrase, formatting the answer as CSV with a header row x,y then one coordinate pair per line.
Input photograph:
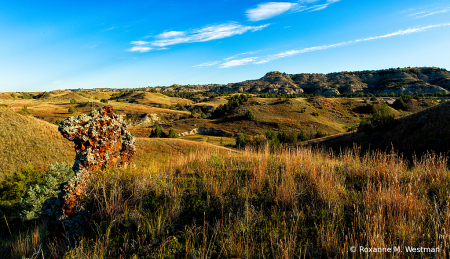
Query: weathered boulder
x,y
101,140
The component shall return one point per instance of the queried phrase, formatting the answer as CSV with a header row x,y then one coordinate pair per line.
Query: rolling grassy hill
x,y
329,115
26,140
416,133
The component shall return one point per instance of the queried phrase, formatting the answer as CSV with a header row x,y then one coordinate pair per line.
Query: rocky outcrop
x,y
204,131
400,80
101,140
141,120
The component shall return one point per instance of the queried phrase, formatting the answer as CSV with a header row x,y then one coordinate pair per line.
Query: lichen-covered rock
x,y
101,140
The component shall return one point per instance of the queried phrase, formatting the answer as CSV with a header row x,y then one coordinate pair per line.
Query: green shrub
x,y
31,202
320,134
315,114
13,187
203,115
400,104
381,117
302,136
172,134
241,140
72,110
73,101
271,137
193,113
371,109
250,115
283,137
103,100
25,111
158,132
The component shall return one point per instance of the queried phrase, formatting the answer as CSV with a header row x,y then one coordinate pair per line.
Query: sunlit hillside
x,y
26,140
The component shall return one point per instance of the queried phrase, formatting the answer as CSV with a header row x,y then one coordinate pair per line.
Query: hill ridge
x,y
397,80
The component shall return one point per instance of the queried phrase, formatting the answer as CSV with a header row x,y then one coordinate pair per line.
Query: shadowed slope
x,y
426,130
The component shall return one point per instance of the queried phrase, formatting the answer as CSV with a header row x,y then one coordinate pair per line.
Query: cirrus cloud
x,y
268,10
271,9
207,33
238,62
212,32
140,49
264,59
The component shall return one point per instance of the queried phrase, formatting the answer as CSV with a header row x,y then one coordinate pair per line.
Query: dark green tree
x,y
302,136
172,134
240,140
400,104
250,115
158,132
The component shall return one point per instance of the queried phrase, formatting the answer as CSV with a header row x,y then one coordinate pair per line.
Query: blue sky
x,y
48,45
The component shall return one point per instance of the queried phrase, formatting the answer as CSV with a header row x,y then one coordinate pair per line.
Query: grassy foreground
x,y
299,203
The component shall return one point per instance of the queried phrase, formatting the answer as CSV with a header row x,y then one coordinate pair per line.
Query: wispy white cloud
x,y
212,32
295,52
207,33
238,62
404,32
271,9
420,12
268,10
433,13
140,49
140,42
171,34
207,64
322,6
242,54
260,60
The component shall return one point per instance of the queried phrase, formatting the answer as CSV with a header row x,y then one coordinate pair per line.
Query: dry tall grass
x,y
27,140
291,204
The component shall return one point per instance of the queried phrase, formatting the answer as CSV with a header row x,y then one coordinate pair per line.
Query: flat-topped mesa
x,y
101,140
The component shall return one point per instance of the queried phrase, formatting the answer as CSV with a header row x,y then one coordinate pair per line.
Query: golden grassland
x,y
158,152
294,203
329,115
186,199
216,140
26,140
154,98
